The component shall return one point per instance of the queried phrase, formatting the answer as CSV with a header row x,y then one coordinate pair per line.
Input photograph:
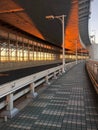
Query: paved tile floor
x,y
69,103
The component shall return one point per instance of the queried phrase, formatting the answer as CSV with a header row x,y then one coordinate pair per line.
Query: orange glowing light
x,y
72,31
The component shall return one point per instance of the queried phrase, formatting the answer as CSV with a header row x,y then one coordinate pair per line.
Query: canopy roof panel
x,y
29,16
37,10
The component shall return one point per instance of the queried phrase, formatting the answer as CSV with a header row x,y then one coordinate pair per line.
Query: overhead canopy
x,y
84,15
29,16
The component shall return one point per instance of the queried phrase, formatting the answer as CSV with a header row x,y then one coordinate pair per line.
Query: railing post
x,y
60,73
32,90
47,80
9,100
10,110
54,75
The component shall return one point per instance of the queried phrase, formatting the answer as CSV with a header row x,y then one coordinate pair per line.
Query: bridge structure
x,y
39,42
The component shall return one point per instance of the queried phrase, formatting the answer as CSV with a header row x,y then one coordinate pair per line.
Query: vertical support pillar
x,y
44,56
16,54
32,90
0,52
36,52
51,53
8,51
9,102
63,44
28,51
76,52
46,53
60,73
33,52
10,110
23,50
54,75
47,80
40,50
97,74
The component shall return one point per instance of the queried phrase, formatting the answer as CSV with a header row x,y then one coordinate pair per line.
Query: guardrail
x,y
13,90
92,68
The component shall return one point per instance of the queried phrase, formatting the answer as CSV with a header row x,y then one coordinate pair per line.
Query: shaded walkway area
x,y
69,103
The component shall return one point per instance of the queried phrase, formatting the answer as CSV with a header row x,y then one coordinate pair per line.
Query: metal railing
x,y
92,68
11,91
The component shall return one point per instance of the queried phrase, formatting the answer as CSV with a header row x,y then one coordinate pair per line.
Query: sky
x,y
93,21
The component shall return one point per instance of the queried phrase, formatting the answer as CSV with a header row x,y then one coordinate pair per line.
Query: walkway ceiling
x,y
84,15
29,16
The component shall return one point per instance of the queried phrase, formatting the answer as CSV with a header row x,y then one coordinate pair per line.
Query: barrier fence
x,y
92,68
11,91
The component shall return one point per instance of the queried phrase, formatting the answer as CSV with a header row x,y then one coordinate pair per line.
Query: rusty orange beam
x,y
11,11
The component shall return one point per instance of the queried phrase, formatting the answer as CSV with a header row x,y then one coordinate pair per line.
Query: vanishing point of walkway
x,y
69,103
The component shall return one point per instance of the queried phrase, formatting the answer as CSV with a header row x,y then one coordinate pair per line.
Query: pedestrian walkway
x,y
69,103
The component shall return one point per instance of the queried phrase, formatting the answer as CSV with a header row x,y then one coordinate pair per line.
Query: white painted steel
x,y
92,68
10,87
